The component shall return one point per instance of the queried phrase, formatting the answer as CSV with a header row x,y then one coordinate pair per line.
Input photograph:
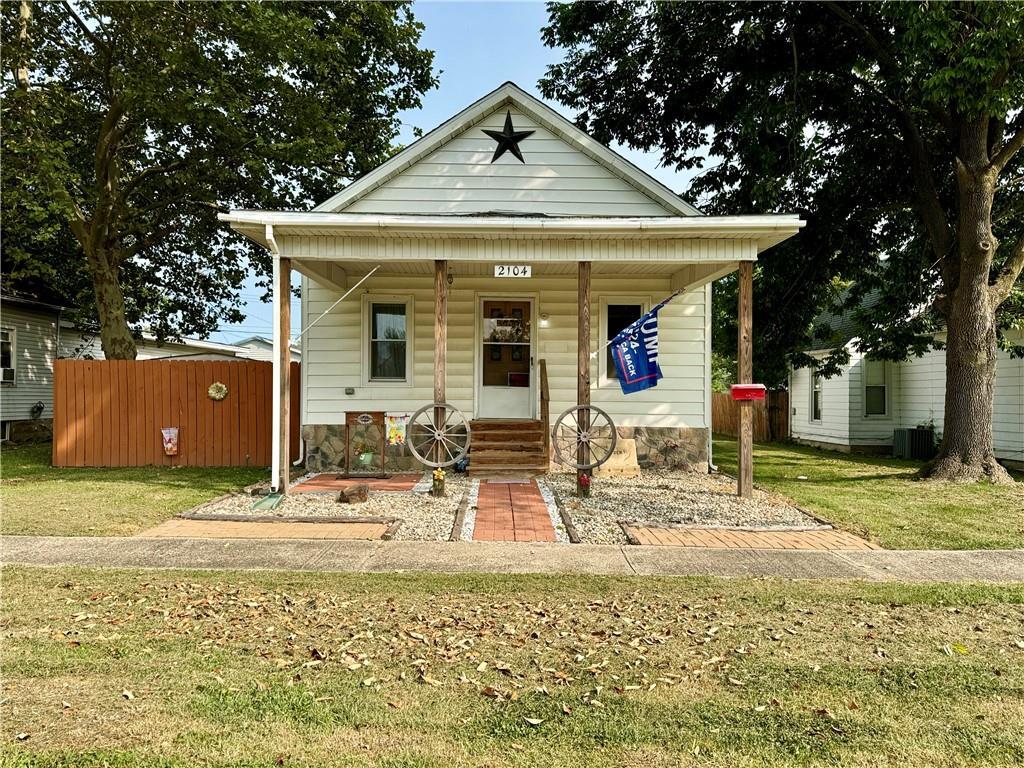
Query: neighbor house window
x,y
389,338
617,317
875,394
7,372
815,396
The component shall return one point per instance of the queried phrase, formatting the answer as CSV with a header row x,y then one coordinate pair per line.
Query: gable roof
x,y
506,96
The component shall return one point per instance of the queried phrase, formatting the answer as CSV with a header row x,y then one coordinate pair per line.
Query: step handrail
x,y
545,408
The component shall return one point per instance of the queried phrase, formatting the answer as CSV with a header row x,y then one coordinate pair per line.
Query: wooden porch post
x,y
284,289
440,340
744,375
583,353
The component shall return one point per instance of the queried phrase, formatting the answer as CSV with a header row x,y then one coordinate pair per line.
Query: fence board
x,y
771,416
110,413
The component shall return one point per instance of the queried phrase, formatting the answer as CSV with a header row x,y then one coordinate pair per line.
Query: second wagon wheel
x,y
584,437
438,435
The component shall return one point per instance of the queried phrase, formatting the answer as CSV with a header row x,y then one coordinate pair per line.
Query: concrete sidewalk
x,y
509,557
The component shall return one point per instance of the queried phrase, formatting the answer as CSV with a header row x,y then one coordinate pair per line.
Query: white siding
x,y
834,425
35,347
917,397
333,349
556,179
870,430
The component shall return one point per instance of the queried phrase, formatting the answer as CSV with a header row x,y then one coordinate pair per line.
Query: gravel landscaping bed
x,y
423,517
670,497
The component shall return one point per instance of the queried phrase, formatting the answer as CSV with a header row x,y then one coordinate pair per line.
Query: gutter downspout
x,y
275,419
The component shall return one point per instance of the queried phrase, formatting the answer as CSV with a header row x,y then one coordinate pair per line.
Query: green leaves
x,y
142,120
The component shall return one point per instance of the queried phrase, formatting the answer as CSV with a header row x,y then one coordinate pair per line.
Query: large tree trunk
x,y
115,336
965,454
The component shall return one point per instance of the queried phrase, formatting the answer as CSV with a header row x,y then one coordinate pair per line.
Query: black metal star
x,y
508,139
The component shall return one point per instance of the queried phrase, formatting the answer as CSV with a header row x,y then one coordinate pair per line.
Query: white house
x,y
29,338
860,408
504,246
85,345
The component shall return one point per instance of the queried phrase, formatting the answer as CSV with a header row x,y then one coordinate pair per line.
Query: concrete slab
x,y
508,557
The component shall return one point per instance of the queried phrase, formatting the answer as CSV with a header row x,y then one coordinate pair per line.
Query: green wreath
x,y
217,391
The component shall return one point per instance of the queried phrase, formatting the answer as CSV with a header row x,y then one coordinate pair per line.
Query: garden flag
x,y
635,352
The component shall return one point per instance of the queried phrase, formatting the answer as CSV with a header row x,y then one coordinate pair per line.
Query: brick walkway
x,y
231,529
716,538
329,481
512,511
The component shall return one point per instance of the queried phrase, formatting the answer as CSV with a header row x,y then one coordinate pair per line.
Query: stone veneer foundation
x,y
670,447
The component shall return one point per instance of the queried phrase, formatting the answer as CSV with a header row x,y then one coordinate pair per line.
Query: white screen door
x,y
505,360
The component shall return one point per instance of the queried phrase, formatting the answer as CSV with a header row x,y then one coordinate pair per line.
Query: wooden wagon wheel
x,y
438,435
584,437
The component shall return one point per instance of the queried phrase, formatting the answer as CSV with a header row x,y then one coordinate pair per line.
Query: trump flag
x,y
635,352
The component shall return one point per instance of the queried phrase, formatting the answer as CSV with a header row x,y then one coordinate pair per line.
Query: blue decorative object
x,y
461,465
635,352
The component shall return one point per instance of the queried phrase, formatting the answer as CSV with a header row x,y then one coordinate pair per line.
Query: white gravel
x,y
673,497
424,518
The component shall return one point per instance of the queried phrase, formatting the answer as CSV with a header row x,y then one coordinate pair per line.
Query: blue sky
x,y
478,46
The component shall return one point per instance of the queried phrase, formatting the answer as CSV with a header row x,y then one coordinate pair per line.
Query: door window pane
x,y
619,316
506,344
388,342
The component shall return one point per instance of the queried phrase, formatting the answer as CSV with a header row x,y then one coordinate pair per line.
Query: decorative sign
x,y
365,419
508,139
512,270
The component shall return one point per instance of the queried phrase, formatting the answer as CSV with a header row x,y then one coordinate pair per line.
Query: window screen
x,y
387,342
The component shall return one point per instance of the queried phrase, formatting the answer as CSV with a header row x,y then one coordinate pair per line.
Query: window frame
x,y
816,378
366,343
864,389
12,336
605,381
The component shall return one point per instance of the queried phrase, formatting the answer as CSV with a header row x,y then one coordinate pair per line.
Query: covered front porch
x,y
505,317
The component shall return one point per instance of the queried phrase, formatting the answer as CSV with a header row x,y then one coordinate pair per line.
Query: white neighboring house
x,y
260,348
29,339
860,408
508,235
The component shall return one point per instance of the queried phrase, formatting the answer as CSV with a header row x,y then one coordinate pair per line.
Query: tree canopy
x,y
128,126
848,114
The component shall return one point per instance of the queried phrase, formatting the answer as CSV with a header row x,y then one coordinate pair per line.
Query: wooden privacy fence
x,y
109,413
771,415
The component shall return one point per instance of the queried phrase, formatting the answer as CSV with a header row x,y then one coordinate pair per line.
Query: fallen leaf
x,y
21,736
128,694
533,720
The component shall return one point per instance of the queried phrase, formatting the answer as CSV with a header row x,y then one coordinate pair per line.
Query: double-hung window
x,y
875,389
7,358
816,387
388,328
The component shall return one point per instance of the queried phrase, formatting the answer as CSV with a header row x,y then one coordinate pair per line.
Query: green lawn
x,y
136,668
881,499
36,498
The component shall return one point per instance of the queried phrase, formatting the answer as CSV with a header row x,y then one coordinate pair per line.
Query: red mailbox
x,y
748,391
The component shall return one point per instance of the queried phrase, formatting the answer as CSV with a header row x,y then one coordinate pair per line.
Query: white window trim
x,y
13,335
603,380
410,339
887,371
810,402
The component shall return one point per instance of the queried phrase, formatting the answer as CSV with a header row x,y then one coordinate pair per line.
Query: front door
x,y
505,360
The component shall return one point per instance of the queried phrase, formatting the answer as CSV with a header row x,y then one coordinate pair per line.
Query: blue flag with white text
x,y
635,352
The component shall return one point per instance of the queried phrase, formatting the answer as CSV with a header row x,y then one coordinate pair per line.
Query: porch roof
x,y
264,226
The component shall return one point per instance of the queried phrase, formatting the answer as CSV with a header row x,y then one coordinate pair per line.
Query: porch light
x,y
544,321
451,278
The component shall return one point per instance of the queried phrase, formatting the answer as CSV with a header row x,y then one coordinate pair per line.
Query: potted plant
x,y
363,453
437,488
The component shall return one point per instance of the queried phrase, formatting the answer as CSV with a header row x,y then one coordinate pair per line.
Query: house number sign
x,y
512,270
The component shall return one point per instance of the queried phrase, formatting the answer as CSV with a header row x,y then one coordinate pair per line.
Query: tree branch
x,y
1000,289
93,37
1009,149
